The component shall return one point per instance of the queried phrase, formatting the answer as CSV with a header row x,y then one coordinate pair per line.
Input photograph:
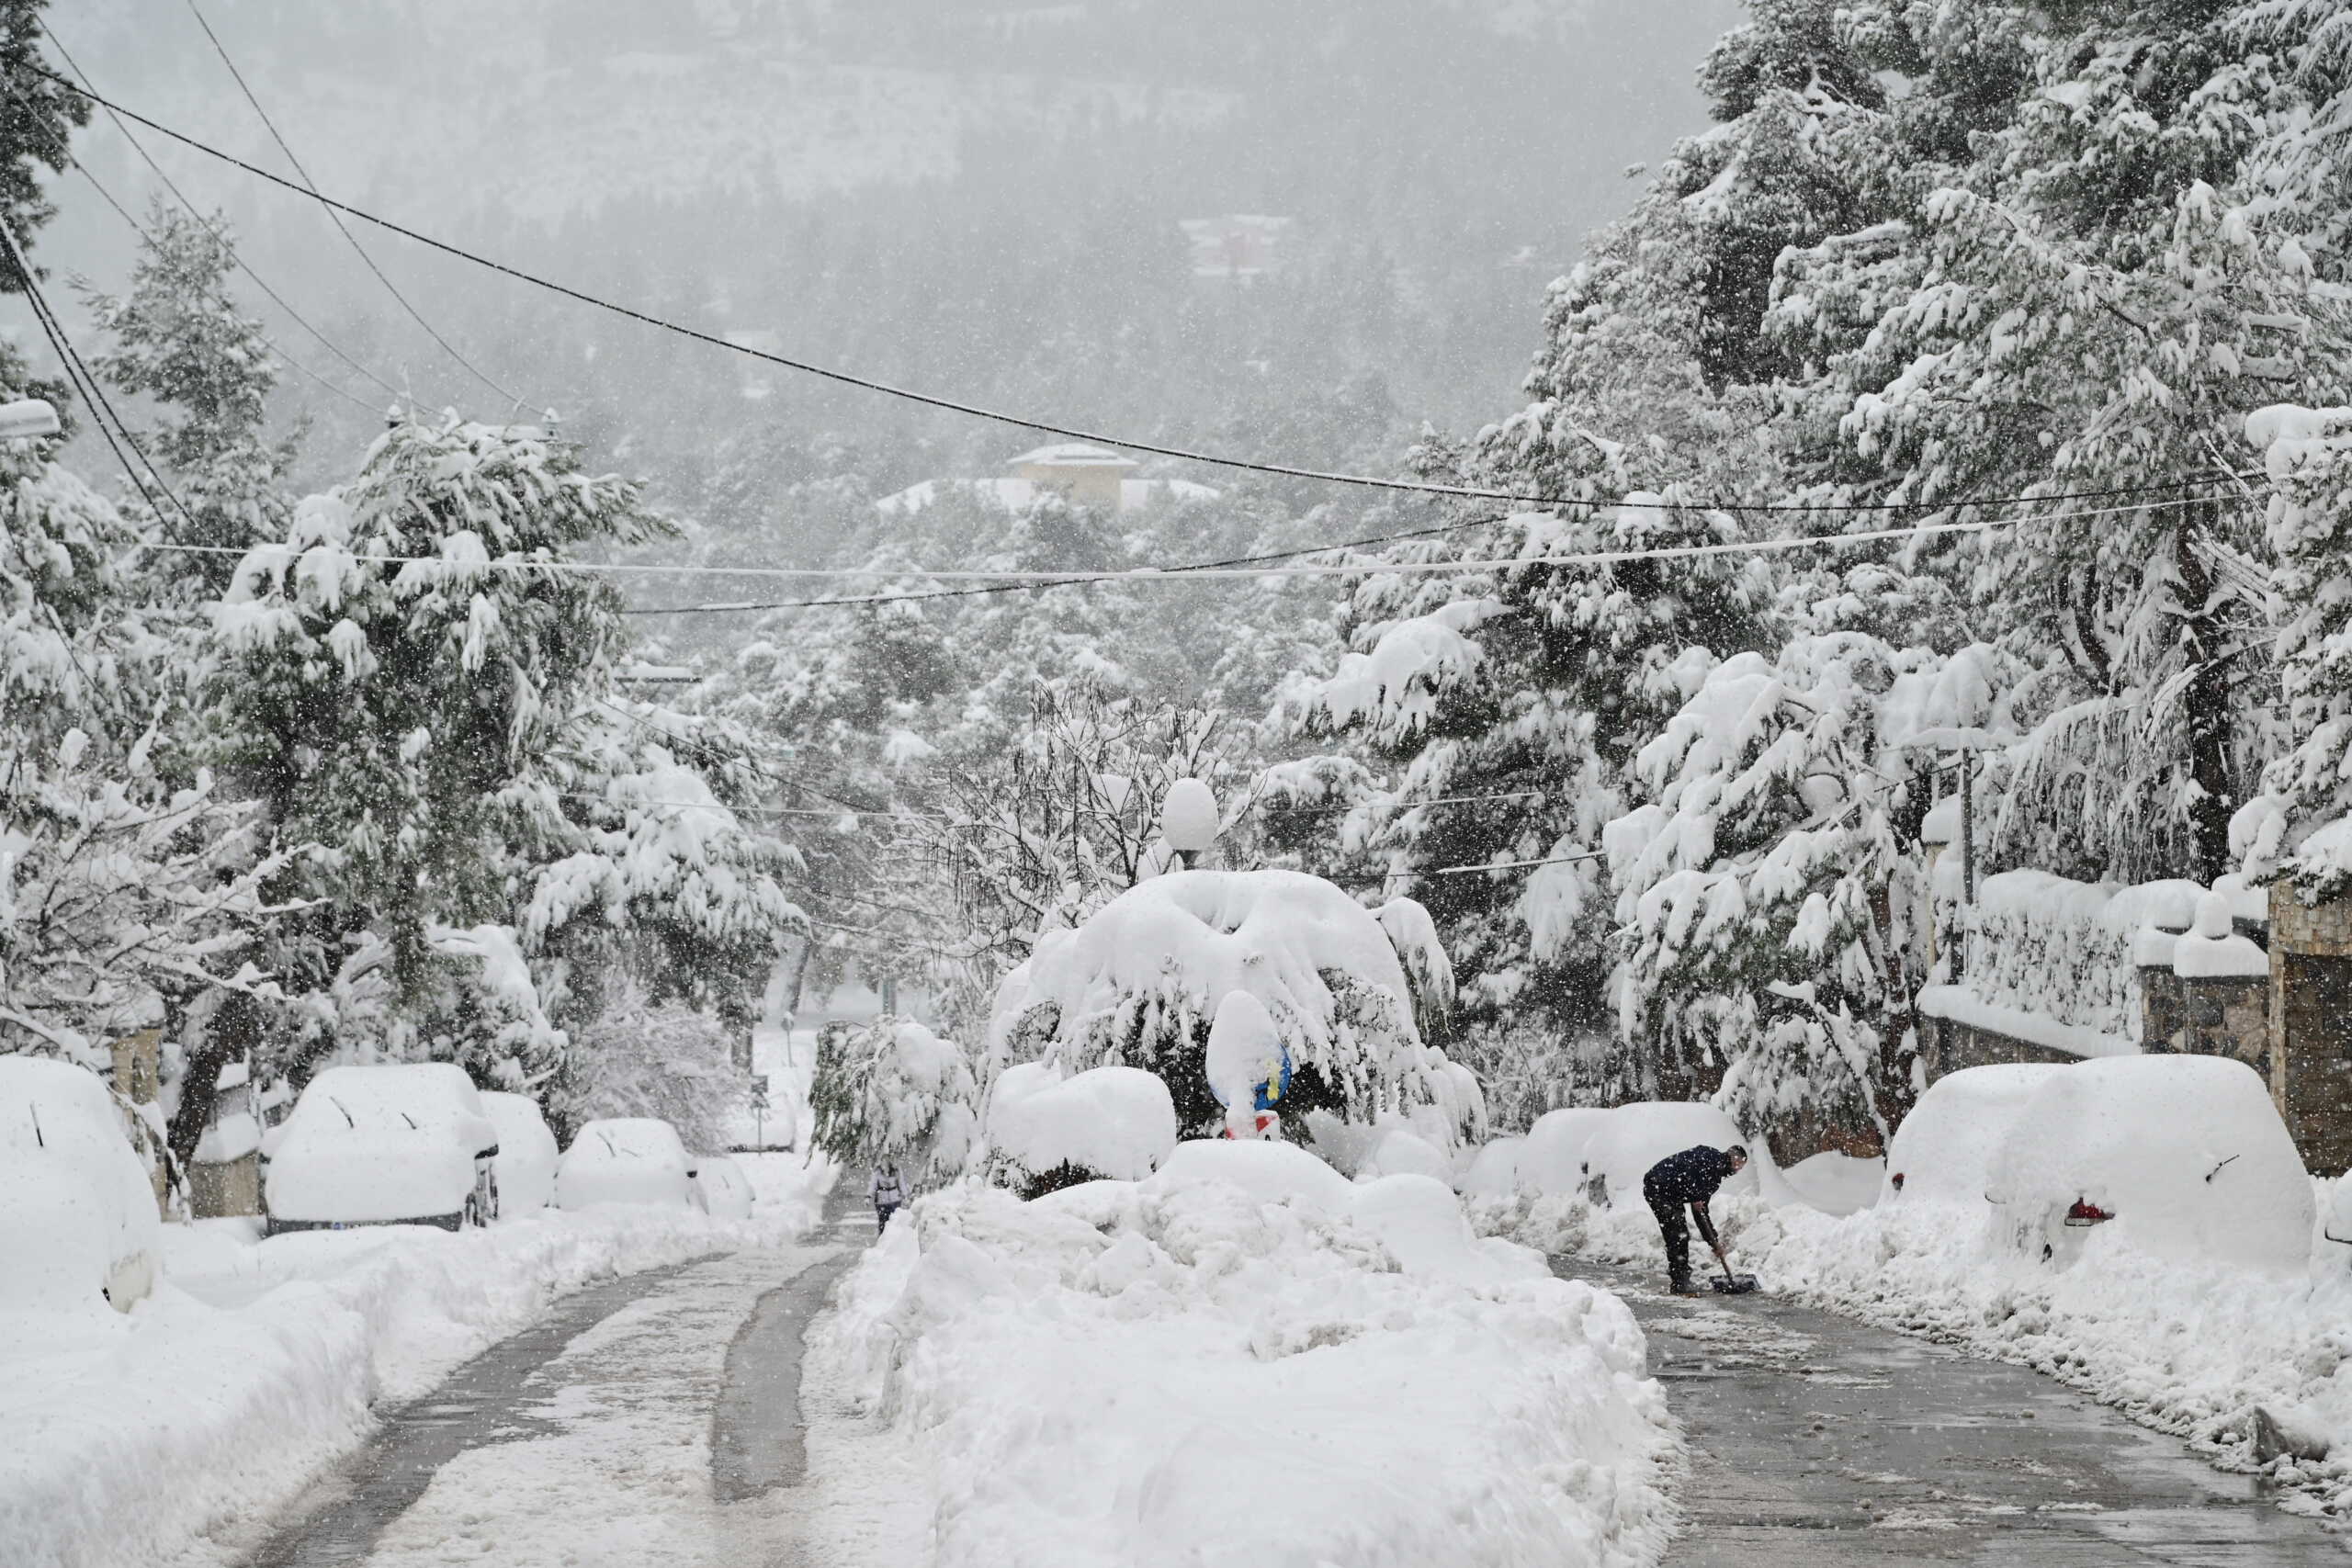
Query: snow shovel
x,y
1732,1285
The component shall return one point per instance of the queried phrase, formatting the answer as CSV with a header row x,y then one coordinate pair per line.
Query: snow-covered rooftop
x,y
1071,454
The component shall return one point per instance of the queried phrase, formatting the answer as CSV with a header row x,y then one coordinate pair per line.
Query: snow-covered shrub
x,y
1045,1131
658,1060
1141,983
892,1088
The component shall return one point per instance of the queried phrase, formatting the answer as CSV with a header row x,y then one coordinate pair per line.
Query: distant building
x,y
1082,475
1236,247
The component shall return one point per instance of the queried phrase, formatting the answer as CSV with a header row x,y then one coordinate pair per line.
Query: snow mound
x,y
1943,1152
1115,1121
2187,1153
1239,1362
1493,1170
1399,1153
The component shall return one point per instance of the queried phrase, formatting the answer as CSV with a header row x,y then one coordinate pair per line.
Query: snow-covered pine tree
x,y
2301,827
176,337
1771,883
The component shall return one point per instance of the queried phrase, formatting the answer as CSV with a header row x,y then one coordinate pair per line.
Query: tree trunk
x,y
233,1029
2204,705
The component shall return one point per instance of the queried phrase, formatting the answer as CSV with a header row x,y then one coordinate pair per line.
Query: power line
x,y
222,300
181,196
1015,582
353,240
86,382
1021,422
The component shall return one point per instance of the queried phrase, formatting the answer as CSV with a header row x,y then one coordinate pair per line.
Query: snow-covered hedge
x,y
1245,1359
2066,949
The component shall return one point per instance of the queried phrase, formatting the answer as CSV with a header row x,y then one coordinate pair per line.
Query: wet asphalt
x,y
1820,1442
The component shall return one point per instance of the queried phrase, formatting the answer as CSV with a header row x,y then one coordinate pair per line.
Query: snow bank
x,y
1246,1360
1493,1169
1113,1121
1836,1183
148,1437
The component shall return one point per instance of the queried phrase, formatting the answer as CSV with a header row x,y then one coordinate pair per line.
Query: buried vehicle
x,y
526,1153
627,1159
1944,1151
722,1187
1634,1137
2179,1156
387,1144
79,1228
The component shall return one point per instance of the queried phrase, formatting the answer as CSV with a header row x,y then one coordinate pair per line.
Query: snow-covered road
x,y
1817,1441
598,1448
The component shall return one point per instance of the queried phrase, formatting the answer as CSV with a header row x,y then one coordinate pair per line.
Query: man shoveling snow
x,y
1691,1177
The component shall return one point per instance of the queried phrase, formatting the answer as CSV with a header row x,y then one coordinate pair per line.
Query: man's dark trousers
x,y
1676,1226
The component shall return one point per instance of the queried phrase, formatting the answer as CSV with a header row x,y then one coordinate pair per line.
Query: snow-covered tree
x,y
1143,981
893,1090
2301,827
1772,886
178,339
127,895
641,1057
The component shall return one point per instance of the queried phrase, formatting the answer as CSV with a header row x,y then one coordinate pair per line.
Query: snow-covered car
x,y
724,1189
1943,1151
1634,1137
78,1222
1551,1165
386,1144
526,1153
2179,1156
625,1159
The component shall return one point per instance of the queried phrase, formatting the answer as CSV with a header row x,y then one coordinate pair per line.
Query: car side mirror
x,y
693,1171
490,1153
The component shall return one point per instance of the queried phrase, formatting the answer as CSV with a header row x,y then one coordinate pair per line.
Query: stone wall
x,y
2310,1025
1948,1046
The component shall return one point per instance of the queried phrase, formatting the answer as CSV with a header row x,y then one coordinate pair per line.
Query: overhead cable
x,y
1010,580
194,211
353,240
1021,422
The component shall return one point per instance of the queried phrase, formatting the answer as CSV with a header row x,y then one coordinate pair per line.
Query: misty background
x,y
983,202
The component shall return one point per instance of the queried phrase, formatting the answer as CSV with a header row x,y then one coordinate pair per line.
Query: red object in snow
x,y
2086,1214
1897,1179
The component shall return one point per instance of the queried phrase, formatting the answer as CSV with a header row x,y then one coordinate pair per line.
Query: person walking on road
x,y
888,1190
1690,1177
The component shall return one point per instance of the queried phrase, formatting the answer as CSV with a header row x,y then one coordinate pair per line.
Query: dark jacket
x,y
1690,1177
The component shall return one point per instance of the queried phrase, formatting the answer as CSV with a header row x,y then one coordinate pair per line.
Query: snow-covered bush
x,y
1045,1131
892,1088
671,1063
1142,982
1173,1351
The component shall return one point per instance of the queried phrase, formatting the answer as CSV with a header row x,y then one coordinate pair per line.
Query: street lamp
x,y
27,418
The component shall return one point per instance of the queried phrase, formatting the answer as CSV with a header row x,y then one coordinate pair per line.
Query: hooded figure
x,y
887,1189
